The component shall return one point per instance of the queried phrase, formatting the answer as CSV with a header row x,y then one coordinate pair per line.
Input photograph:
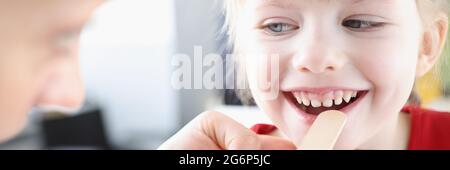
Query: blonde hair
x,y
429,9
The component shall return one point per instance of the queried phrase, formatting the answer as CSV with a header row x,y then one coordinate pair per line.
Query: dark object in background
x,y
231,98
82,131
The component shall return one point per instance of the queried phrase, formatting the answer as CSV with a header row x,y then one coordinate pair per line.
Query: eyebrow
x,y
358,1
290,3
276,3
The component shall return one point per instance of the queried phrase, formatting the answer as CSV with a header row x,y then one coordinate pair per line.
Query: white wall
x,y
125,62
197,25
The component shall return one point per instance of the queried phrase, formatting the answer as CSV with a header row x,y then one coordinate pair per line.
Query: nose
x,y
316,55
63,88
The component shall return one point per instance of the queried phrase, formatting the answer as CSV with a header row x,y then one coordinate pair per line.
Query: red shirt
x,y
430,130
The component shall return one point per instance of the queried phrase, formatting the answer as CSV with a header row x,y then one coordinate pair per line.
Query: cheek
x,y
270,101
20,82
16,98
265,64
390,66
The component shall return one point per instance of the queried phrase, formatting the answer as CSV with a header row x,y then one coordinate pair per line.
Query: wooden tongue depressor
x,y
325,131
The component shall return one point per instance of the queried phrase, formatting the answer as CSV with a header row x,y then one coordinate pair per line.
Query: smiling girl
x,y
361,57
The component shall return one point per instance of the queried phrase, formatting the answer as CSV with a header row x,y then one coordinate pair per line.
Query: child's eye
x,y
360,25
277,29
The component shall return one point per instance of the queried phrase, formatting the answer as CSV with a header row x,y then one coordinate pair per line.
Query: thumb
x,y
227,133
231,135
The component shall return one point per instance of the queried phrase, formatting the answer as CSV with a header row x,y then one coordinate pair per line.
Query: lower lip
x,y
310,118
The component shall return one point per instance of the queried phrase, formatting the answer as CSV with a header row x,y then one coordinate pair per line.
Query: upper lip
x,y
321,90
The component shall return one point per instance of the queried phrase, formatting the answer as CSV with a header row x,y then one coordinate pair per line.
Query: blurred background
x,y
126,53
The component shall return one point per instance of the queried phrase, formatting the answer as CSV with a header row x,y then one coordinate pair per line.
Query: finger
x,y
227,133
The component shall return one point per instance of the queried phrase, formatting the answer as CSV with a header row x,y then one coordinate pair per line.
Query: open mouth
x,y
314,104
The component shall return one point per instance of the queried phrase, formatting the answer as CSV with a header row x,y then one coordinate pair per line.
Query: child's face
x,y
328,51
38,57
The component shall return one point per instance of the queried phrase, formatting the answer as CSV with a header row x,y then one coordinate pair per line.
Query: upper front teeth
x,y
327,103
304,99
347,96
338,97
315,103
327,100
